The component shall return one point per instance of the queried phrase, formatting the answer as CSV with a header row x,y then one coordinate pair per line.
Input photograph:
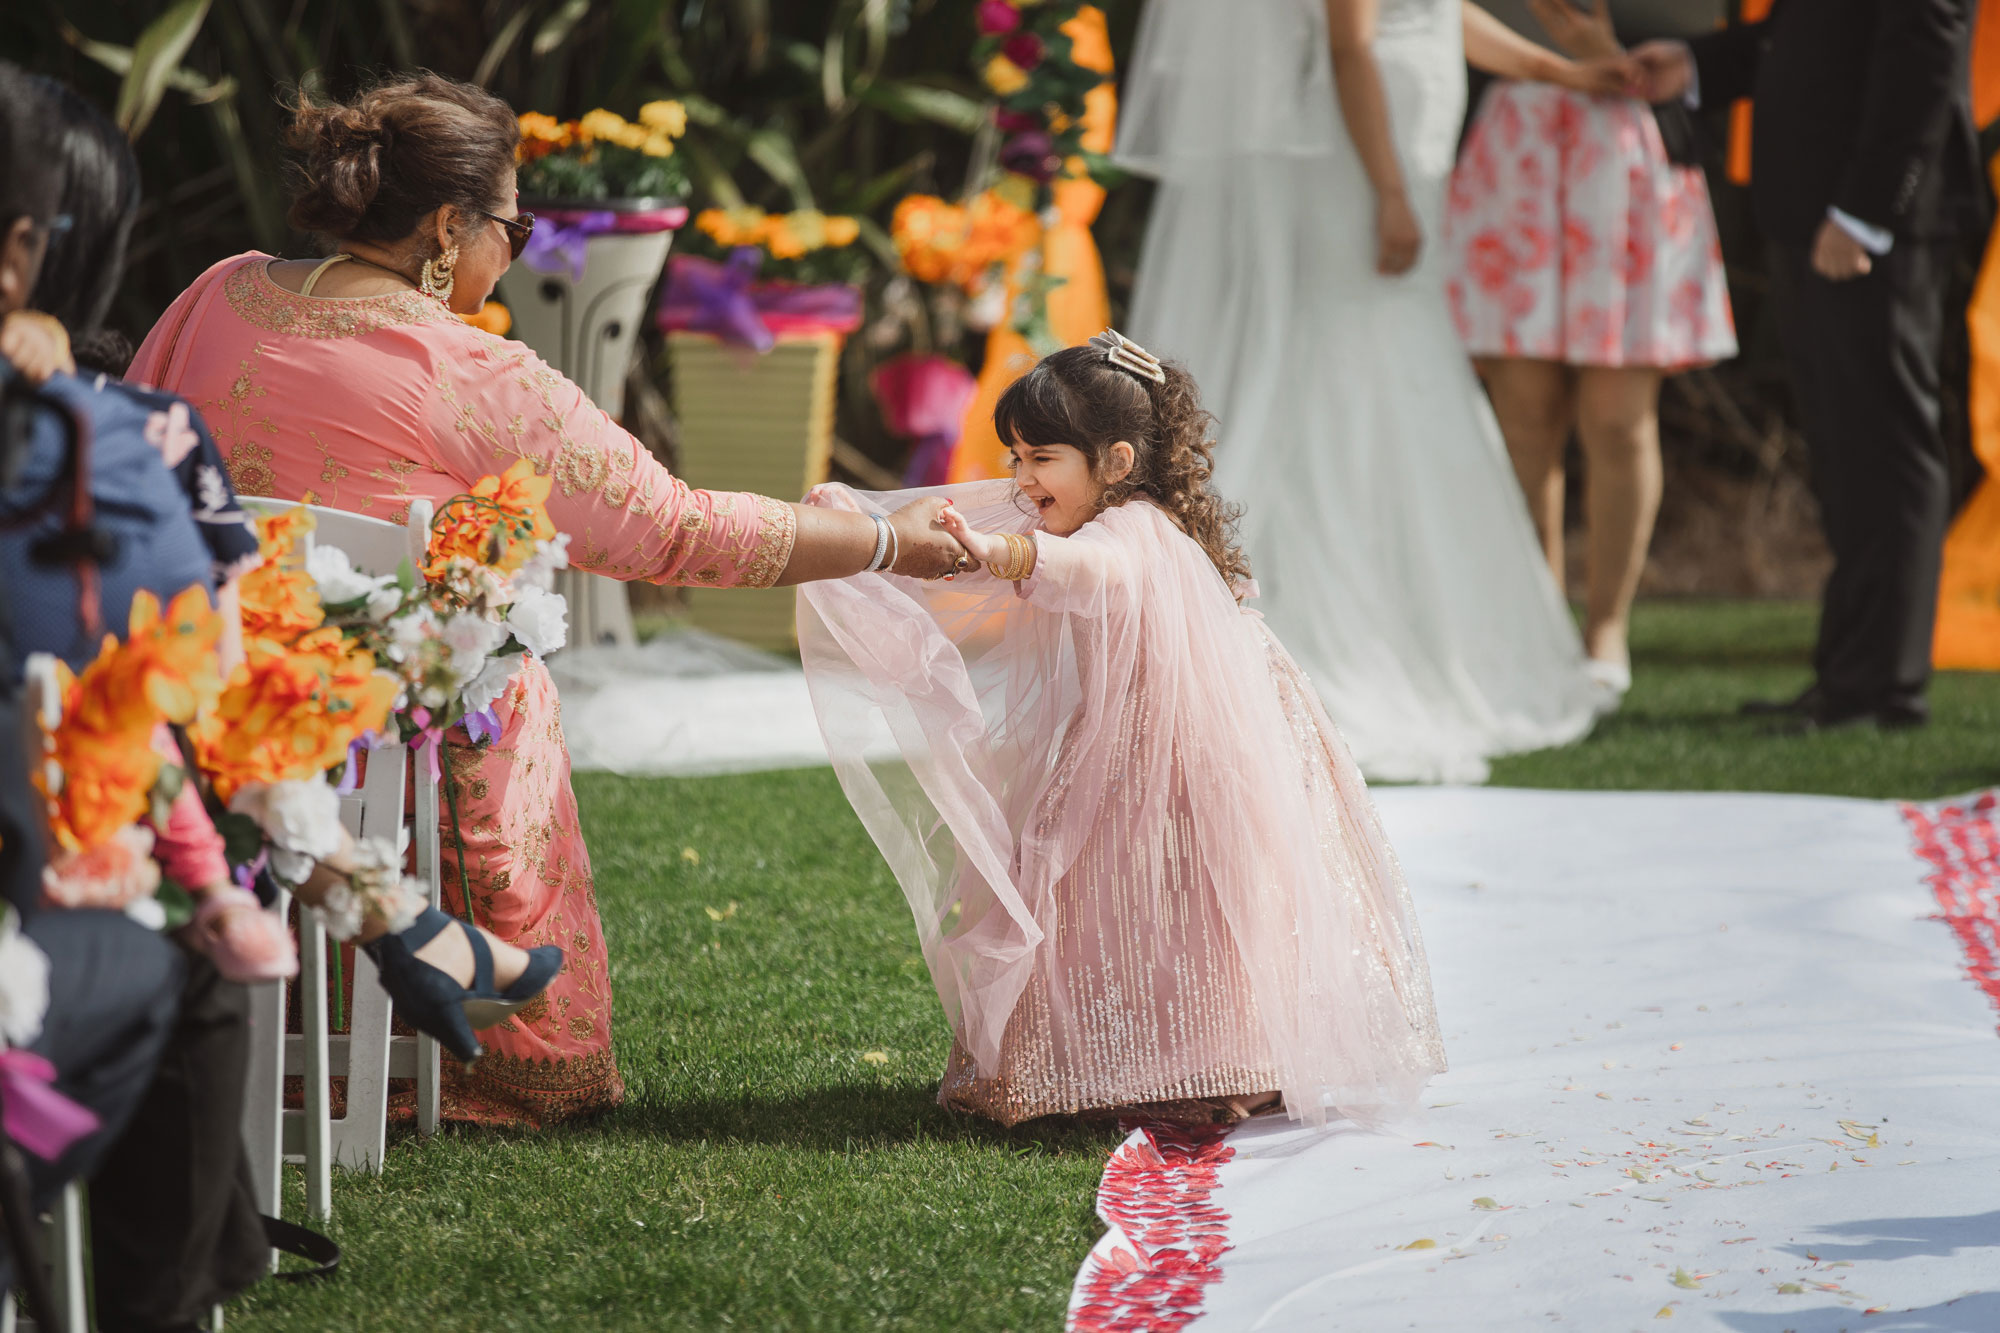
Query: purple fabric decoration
x,y
35,1115
350,777
702,296
483,725
556,246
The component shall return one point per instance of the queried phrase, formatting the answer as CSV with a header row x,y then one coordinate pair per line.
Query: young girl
x,y
1146,875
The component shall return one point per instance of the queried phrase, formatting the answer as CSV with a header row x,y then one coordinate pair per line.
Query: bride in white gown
x,y
1303,149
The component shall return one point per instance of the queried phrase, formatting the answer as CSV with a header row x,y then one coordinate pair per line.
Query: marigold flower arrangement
x,y
602,155
966,245
804,245
100,772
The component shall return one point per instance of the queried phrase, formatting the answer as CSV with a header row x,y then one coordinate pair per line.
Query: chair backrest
x,y
375,546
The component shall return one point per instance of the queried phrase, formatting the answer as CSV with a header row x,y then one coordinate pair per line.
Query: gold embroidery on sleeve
x,y
777,530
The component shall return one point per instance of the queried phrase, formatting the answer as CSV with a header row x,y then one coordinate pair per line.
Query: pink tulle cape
x,y
1122,682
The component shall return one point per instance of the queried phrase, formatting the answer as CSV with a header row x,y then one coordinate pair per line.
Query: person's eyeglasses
x,y
519,228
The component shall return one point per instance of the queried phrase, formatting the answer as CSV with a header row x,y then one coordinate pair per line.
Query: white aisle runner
x,y
1717,1063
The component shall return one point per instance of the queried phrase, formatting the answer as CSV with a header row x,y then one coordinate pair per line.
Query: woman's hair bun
x,y
371,167
339,164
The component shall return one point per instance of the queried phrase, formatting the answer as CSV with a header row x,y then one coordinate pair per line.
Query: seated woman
x,y
353,383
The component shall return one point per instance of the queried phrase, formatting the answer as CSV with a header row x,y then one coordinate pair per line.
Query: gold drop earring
x,y
439,275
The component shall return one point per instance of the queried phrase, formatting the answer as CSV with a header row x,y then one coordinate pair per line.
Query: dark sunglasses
x,y
519,228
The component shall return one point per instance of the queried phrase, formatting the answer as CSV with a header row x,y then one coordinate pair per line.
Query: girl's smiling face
x,y
1057,480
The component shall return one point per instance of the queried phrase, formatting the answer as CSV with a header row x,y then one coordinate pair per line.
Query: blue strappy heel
x,y
436,1004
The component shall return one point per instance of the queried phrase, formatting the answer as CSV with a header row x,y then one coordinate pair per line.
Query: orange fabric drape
x,y
1080,306
1754,11
1968,620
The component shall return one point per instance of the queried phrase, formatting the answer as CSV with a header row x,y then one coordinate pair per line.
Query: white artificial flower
x,y
290,867
298,815
147,912
24,983
384,601
540,571
340,912
490,683
472,638
339,581
408,632
401,906
540,620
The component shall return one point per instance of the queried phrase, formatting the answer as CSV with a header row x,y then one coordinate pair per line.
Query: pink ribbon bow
x,y
34,1114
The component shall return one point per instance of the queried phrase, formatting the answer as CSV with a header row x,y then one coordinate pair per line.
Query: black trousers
x,y
173,1214
1863,357
112,990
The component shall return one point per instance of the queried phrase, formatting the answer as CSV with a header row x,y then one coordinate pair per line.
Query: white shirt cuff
x,y
1877,241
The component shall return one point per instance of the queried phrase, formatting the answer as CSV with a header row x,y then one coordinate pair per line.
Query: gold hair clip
x,y
1122,352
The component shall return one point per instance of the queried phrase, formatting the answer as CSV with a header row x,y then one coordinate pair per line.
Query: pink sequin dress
x,y
1144,870
368,403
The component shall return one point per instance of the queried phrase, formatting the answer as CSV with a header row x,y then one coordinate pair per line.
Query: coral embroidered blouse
x,y
367,403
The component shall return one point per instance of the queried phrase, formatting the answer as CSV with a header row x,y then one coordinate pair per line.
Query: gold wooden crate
x,y
754,423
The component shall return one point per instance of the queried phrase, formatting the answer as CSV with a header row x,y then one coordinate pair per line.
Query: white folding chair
x,y
66,1218
367,1055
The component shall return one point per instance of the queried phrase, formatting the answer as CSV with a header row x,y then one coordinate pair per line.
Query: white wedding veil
x,y
1216,79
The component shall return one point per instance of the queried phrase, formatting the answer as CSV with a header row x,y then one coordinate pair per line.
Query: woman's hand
x,y
1584,37
37,344
1399,237
985,547
924,549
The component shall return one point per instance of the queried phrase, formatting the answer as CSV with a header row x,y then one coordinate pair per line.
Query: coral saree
x,y
369,403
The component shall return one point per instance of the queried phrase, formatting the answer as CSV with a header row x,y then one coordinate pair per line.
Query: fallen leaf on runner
x,y
1683,1278
876,1057
1424,1243
1675,1047
1639,1173
1428,1144
1875,1309
1666,1312
1703,1175
1439,1106
1854,1129
1791,1289
1740,1240
691,856
1604,1096
1486,1205
720,914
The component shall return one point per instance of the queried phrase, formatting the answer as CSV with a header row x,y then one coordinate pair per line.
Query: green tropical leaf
x,y
155,58
550,37
510,33
919,101
773,151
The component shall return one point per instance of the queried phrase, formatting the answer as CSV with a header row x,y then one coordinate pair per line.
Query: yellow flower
x,y
544,127
1005,77
842,231
657,145
806,227
601,124
631,136
732,226
491,318
669,118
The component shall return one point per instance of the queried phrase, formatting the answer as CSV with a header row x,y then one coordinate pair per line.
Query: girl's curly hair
x,y
1080,398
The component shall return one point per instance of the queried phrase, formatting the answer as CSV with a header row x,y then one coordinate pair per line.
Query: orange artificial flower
x,y
292,711
279,599
492,318
496,525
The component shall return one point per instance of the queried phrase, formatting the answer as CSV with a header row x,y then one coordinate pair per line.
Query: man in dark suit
x,y
1864,174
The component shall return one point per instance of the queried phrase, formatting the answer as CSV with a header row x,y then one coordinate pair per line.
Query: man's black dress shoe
x,y
1883,717
1798,706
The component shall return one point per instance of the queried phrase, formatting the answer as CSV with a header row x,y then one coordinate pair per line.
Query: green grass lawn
x,y
763,1174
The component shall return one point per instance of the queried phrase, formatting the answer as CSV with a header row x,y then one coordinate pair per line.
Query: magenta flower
x,y
997,18
1032,155
1024,49
1015,122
